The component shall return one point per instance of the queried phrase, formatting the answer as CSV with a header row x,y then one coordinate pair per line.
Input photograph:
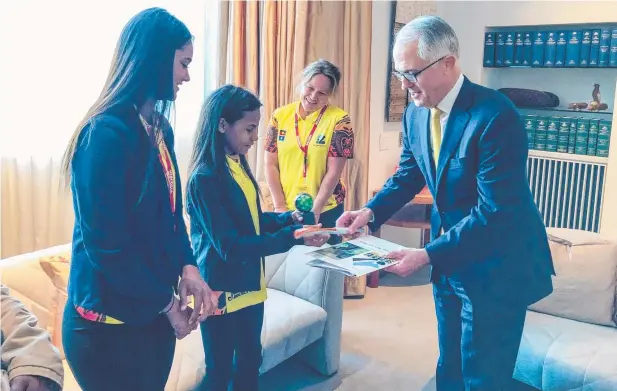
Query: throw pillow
x,y
57,269
585,285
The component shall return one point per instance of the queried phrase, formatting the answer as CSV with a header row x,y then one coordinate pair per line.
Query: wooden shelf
x,y
568,157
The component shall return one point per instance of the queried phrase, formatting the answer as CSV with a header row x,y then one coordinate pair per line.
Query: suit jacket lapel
x,y
455,127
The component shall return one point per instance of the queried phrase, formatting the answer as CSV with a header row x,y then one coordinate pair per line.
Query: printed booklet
x,y
356,257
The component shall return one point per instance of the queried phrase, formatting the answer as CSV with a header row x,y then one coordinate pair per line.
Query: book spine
x,y
572,135
537,53
530,127
605,44
518,49
508,56
604,138
564,134
573,49
500,48
594,50
560,56
585,48
527,47
594,127
552,134
540,137
489,49
612,58
550,49
582,136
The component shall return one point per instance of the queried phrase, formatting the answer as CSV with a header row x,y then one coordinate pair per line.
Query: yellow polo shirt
x,y
231,302
333,137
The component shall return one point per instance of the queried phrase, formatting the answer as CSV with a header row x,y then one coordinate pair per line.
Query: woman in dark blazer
x,y
131,252
231,236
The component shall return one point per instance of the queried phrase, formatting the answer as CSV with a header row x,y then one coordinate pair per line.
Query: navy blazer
x,y
494,240
229,252
128,248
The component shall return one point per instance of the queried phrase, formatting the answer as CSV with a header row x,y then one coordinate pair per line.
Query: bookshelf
x,y
570,150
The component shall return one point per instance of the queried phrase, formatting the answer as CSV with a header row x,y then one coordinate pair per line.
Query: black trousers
x,y
106,357
328,220
478,340
232,346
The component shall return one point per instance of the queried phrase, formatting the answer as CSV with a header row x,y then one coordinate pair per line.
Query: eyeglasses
x,y
413,76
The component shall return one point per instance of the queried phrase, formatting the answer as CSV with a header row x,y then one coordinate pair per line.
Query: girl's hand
x,y
316,240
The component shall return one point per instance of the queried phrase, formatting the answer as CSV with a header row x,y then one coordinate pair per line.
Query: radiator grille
x,y
567,193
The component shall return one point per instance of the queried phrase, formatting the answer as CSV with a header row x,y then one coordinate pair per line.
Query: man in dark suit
x,y
489,253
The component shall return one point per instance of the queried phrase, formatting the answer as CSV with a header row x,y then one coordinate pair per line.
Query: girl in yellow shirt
x,y
308,144
231,236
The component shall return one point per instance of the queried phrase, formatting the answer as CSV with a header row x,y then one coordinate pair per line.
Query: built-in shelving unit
x,y
570,150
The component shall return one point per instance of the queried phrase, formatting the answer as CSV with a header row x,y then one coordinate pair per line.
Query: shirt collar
x,y
447,102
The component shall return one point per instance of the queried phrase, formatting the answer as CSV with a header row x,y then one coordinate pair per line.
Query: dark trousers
x,y
328,220
118,357
478,340
232,346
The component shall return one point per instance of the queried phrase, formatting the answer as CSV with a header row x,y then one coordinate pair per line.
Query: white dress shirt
x,y
447,103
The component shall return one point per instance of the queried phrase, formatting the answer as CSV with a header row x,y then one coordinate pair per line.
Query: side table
x,y
415,214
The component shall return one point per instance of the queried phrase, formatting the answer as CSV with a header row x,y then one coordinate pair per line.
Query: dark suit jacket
x,y
128,248
228,250
494,239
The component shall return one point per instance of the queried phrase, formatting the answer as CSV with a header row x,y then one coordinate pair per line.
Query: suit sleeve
x,y
233,247
99,172
501,170
272,221
27,348
402,186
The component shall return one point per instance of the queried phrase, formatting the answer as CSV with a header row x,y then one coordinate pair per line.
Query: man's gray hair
x,y
435,37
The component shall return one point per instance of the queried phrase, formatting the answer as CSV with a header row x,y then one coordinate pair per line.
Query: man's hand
x,y
355,221
192,284
410,261
180,320
33,383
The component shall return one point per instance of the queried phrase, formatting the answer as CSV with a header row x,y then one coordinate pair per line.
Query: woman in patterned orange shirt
x,y
309,142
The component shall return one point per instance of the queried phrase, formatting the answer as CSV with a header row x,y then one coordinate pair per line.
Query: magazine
x,y
311,230
356,257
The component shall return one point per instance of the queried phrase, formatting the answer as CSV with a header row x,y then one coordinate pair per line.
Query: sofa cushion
x,y
290,324
585,284
558,354
29,283
57,269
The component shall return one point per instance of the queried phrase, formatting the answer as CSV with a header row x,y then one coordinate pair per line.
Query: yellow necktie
x,y
436,133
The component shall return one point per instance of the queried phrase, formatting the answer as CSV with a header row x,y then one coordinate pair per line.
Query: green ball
x,y
304,202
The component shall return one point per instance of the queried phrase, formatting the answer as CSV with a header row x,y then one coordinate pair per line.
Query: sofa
x,y
303,313
570,337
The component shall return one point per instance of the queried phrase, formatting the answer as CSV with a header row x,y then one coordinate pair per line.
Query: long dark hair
x,y
141,69
230,103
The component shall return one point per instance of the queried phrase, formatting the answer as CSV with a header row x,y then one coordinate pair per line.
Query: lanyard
x,y
304,148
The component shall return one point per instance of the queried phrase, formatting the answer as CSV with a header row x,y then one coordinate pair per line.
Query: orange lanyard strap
x,y
304,148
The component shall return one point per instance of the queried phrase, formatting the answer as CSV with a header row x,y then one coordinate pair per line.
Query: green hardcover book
x,y
582,136
552,133
604,138
530,126
572,135
540,138
594,125
564,134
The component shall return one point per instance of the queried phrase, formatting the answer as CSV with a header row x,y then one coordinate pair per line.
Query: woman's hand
x,y
281,209
206,300
180,320
297,217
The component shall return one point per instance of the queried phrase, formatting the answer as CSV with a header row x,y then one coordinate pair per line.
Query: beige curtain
x,y
295,35
36,212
